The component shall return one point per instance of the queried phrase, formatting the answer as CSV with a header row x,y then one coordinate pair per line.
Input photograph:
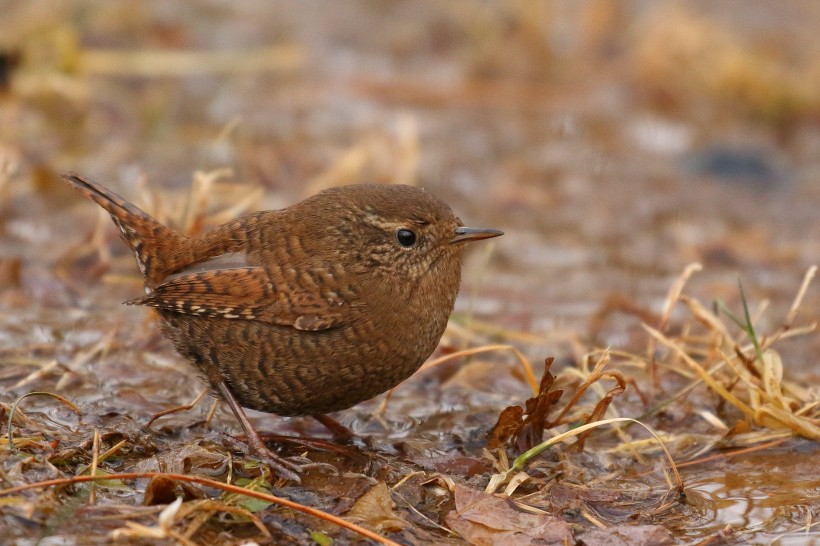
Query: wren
x,y
306,310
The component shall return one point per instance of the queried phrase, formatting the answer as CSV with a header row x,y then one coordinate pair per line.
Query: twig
x,y
208,483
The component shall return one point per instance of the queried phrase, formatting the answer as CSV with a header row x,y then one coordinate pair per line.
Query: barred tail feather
x,y
143,233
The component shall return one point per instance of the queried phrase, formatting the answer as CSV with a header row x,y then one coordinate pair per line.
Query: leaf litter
x,y
604,487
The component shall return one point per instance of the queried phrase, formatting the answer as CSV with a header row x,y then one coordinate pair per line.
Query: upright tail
x,y
155,246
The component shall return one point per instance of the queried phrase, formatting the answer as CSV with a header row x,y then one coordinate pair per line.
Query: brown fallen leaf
x,y
538,410
162,490
484,520
509,422
377,511
527,426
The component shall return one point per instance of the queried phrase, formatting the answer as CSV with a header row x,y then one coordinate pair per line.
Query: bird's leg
x,y
340,432
211,412
282,467
177,409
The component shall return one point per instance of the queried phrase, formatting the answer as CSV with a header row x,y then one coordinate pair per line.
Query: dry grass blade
x,y
164,62
497,480
379,158
495,331
162,531
594,376
681,393
525,364
196,203
675,292
95,456
525,427
755,385
190,212
707,318
116,447
203,509
704,375
47,368
603,404
36,393
209,483
178,409
801,293
774,417
672,297
734,453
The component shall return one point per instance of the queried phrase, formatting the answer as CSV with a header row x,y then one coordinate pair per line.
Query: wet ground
x,y
614,143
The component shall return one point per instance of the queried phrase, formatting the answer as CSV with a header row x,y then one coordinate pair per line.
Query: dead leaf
x,y
484,520
528,431
162,490
509,422
377,510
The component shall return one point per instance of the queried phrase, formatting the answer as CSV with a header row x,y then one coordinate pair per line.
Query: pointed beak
x,y
467,234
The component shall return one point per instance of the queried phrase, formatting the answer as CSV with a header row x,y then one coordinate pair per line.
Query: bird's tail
x,y
155,245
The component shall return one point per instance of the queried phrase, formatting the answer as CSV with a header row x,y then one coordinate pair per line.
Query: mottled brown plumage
x,y
309,309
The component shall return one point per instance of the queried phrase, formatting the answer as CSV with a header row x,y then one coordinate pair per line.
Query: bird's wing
x,y
246,293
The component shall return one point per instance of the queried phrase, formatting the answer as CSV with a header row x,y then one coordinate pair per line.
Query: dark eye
x,y
406,237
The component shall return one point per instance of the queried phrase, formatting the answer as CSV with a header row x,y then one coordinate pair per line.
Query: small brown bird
x,y
306,310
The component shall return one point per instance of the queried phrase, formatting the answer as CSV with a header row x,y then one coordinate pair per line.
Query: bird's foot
x,y
285,468
288,468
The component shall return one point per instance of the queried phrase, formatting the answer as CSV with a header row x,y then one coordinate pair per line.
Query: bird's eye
x,y
406,237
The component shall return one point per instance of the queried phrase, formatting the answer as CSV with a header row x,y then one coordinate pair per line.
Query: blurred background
x,y
614,141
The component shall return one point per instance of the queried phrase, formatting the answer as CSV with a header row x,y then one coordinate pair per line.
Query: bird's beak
x,y
467,234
